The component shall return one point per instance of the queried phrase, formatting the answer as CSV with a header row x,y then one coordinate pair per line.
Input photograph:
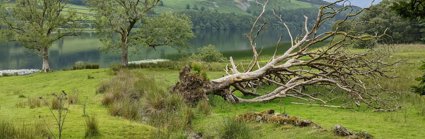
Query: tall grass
x,y
122,95
9,130
234,129
136,97
92,127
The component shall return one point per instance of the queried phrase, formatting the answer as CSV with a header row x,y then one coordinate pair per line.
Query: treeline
x,y
213,20
382,18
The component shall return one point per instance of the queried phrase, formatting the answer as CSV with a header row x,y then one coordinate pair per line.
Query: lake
x,y
87,48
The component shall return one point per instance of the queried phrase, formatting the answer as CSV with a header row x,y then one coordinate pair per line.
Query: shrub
x,y
234,129
208,54
83,65
420,88
92,127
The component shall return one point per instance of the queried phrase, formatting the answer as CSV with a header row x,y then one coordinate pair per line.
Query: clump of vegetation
x,y
204,107
10,131
122,95
166,110
56,104
83,65
73,98
135,97
208,54
35,102
420,88
92,127
234,129
129,109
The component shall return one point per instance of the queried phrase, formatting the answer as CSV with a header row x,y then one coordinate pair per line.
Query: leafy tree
x,y
37,24
410,8
209,54
374,21
165,29
124,18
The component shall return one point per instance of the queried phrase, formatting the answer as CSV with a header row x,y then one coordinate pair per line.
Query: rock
x,y
304,123
363,135
258,119
194,135
341,131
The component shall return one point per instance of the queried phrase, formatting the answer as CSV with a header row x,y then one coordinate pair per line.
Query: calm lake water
x,y
87,48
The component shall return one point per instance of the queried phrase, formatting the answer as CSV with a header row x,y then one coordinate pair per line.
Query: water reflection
x,y
67,51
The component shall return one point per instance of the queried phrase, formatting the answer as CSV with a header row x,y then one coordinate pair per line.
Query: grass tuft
x,y
92,127
234,129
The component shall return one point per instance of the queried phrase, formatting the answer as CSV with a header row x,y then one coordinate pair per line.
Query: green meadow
x,y
16,93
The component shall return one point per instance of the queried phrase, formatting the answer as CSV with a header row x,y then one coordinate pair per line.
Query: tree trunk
x,y
124,51
124,56
45,56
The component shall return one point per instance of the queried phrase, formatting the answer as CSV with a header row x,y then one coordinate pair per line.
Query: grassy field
x,y
409,122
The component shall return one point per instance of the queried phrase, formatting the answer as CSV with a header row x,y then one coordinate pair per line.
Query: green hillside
x,y
221,6
230,6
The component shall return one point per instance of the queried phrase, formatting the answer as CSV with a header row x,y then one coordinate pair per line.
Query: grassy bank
x,y
409,122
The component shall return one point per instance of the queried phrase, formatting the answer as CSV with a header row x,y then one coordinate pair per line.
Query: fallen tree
x,y
299,66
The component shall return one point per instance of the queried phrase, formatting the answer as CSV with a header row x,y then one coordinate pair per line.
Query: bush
x,y
83,65
208,54
234,129
92,127
420,88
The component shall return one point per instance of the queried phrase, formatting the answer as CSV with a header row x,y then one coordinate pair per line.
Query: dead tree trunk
x,y
298,66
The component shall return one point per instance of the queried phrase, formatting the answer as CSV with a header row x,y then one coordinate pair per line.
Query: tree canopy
x,y
410,8
136,25
36,24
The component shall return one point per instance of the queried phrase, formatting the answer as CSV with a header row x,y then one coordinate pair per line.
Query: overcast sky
x,y
361,3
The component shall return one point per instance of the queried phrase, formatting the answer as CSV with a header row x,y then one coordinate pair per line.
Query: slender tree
x,y
37,24
125,23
